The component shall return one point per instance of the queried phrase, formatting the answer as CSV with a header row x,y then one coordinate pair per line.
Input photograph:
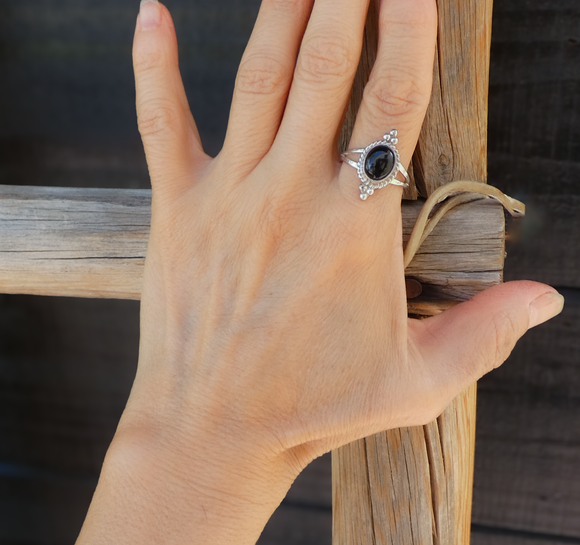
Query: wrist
x,y
216,486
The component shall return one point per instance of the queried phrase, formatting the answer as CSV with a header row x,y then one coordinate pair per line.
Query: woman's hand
x,y
274,318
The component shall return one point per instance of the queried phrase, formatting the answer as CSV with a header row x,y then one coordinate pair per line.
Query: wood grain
x,y
92,243
453,142
66,368
495,536
527,470
295,525
30,495
546,243
73,242
414,486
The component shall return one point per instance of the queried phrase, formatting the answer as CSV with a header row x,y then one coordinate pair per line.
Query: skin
x,y
274,324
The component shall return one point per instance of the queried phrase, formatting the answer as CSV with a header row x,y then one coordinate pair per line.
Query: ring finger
x,y
399,89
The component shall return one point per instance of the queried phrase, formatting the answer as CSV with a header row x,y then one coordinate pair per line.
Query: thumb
x,y
464,343
170,136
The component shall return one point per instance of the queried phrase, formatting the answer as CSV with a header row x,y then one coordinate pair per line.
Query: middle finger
x,y
323,78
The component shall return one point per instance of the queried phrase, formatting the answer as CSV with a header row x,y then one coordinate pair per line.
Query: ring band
x,y
379,165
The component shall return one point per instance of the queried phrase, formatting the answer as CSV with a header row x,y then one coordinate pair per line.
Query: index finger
x,y
170,137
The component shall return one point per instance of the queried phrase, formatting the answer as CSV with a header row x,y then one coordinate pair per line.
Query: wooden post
x,y
414,486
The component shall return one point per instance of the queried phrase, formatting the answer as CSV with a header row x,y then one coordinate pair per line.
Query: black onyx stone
x,y
379,163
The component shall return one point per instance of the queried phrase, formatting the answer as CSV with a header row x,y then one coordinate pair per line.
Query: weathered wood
x,y
546,242
23,508
92,243
495,536
415,494
73,242
453,142
527,473
66,369
535,85
313,487
295,525
414,486
527,177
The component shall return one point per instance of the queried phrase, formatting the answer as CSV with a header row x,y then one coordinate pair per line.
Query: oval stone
x,y
379,163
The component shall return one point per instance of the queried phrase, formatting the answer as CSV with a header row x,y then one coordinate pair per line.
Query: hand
x,y
274,318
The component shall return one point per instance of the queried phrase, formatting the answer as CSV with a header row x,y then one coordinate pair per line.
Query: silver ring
x,y
379,165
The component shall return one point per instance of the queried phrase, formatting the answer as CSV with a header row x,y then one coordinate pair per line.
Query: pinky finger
x,y
170,137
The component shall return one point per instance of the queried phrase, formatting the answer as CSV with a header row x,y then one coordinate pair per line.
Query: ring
x,y
379,165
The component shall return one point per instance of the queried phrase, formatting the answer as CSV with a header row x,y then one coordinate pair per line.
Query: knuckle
x,y
148,59
157,118
504,333
417,19
418,16
286,6
277,215
260,76
395,97
323,58
281,214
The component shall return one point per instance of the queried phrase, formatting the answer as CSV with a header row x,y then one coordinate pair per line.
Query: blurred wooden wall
x,y
66,365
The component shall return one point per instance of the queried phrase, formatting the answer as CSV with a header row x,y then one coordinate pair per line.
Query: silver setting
x,y
368,187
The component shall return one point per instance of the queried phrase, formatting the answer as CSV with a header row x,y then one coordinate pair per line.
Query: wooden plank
x,y
68,85
313,487
40,510
295,525
500,536
534,136
527,471
92,243
546,248
535,85
528,177
413,486
73,242
526,475
66,368
418,493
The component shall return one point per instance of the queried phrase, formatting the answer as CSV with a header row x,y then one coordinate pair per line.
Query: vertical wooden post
x,y
414,486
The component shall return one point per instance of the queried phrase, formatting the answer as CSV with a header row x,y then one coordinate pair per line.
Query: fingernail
x,y
149,14
545,308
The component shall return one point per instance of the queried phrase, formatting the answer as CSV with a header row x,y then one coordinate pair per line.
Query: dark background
x,y
66,365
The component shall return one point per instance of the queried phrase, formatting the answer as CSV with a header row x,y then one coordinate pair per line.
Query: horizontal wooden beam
x,y
92,243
